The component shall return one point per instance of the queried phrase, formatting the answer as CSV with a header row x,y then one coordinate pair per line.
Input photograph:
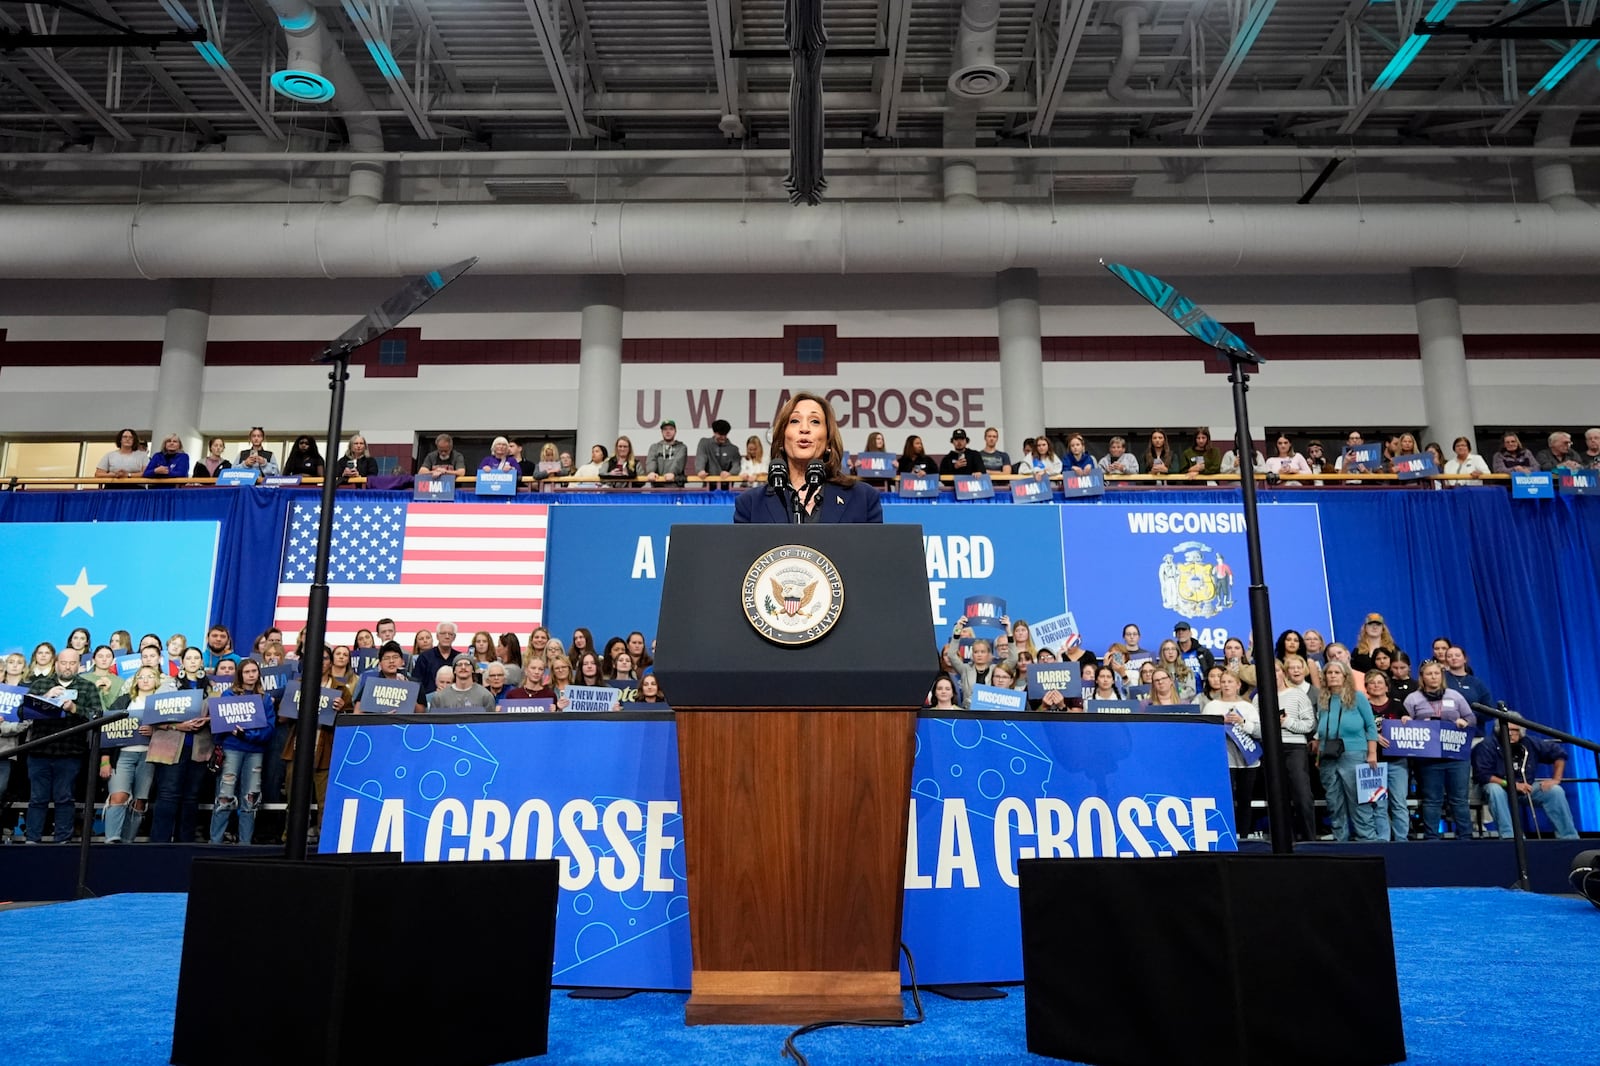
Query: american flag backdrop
x,y
479,565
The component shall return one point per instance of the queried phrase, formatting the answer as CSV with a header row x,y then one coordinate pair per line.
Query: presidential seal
x,y
793,594
1196,587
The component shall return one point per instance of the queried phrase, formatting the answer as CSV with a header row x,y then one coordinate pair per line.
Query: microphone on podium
x,y
777,475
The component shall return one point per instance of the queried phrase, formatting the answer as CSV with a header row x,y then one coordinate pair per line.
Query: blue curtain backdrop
x,y
1513,582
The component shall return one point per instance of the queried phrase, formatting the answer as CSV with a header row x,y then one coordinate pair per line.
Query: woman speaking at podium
x,y
806,481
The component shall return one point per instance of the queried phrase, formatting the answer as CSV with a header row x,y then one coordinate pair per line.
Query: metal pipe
x,y
237,240
624,155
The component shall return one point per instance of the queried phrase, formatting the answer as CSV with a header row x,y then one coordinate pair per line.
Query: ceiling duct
x,y
976,74
531,190
1102,185
319,71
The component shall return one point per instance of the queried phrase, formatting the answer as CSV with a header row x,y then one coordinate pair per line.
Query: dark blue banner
x,y
600,794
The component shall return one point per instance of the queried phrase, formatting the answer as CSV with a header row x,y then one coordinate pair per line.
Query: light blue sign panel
x,y
105,576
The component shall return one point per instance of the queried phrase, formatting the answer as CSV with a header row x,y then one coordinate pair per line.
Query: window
x,y
52,458
392,353
810,351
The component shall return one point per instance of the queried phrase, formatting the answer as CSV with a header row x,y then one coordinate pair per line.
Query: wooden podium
x,y
795,767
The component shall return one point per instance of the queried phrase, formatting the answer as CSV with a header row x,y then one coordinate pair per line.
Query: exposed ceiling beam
x,y
45,60
218,62
896,33
1245,36
373,34
591,58
571,98
719,20
1074,20
39,99
1332,46
1409,47
158,74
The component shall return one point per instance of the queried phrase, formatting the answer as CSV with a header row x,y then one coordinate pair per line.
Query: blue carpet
x,y
1486,977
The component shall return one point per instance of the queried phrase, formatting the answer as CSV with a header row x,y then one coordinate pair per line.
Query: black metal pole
x,y
91,787
305,744
1278,823
1514,801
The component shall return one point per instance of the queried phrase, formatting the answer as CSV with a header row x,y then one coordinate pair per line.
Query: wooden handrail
x,y
735,481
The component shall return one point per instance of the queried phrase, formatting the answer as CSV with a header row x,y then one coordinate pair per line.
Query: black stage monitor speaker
x,y
341,953
1585,875
1226,959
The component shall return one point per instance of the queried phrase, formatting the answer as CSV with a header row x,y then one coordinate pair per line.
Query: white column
x,y
599,367
1021,355
1446,398
183,358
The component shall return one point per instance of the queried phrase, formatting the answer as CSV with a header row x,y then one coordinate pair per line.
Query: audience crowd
x,y
667,461
154,787
1332,698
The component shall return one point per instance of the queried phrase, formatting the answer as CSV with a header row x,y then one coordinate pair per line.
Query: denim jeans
x,y
132,774
1394,817
1351,820
1552,801
177,802
1441,783
51,778
237,767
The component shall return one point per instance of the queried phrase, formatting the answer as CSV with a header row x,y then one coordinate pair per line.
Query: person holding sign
x,y
808,457
560,681
12,730
53,767
1235,710
243,752
1442,782
391,667
129,772
180,752
322,750
1394,817
1347,736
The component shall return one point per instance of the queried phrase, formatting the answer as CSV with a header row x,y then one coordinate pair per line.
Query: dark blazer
x,y
858,503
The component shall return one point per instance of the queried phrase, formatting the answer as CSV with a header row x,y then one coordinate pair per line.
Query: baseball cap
x,y
959,434
1181,627
669,422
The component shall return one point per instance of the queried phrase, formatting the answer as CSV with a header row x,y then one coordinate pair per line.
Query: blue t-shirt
x,y
994,462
